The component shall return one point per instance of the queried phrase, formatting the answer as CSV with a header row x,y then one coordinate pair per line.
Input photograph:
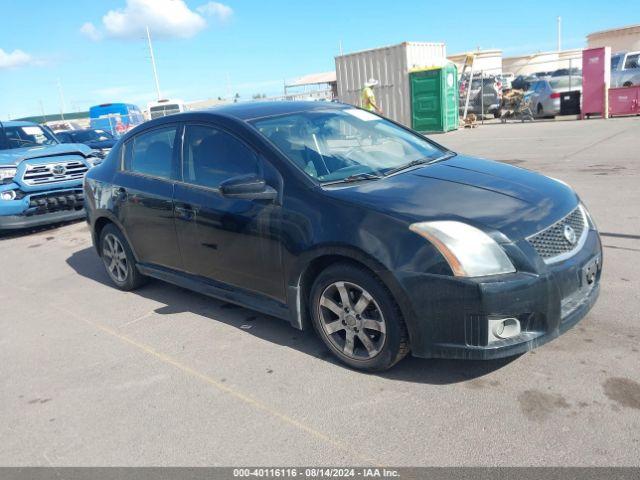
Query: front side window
x,y
212,156
331,145
151,153
632,61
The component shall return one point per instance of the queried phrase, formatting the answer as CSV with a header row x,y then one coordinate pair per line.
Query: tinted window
x,y
151,153
212,156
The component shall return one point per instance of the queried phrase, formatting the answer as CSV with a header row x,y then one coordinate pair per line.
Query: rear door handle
x,y
185,212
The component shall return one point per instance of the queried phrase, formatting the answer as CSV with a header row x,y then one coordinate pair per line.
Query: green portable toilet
x,y
434,99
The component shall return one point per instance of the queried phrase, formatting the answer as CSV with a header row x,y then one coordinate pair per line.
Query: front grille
x,y
552,243
56,201
54,172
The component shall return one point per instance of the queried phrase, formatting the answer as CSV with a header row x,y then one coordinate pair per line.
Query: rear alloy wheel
x,y
357,318
115,258
118,259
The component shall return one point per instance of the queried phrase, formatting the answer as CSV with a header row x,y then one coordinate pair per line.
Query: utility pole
x,y
62,106
340,47
153,64
559,33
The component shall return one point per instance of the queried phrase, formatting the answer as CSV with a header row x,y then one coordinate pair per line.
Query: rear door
x,y
231,240
144,192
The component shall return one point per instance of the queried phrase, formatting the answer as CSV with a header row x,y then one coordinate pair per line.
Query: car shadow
x,y
23,232
178,300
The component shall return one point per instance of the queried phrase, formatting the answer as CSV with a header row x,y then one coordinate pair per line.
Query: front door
x,y
144,196
234,241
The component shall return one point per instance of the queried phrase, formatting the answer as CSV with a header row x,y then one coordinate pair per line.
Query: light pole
x,y
559,33
153,64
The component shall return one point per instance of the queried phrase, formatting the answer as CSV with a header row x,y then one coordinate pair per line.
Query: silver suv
x,y
625,69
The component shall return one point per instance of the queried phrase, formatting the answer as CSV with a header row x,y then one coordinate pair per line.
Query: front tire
x,y
357,318
118,259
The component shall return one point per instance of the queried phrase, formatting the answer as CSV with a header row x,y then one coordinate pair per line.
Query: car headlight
x,y
469,251
7,173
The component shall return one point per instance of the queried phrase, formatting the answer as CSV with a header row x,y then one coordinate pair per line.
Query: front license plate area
x,y
590,272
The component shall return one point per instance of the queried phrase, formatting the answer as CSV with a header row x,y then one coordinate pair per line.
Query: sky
x,y
95,51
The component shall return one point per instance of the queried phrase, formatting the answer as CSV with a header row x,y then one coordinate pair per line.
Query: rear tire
x,y
357,318
118,259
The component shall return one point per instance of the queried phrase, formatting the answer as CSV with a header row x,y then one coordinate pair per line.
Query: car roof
x,y
18,123
252,110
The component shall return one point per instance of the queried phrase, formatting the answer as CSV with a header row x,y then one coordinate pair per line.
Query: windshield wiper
x,y
412,163
420,161
355,178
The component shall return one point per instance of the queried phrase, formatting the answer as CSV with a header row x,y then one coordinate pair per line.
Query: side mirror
x,y
248,187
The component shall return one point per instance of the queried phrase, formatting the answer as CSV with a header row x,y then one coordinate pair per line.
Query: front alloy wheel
x,y
352,320
357,317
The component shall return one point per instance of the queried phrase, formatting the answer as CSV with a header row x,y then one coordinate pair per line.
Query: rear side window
x,y
212,156
151,153
615,61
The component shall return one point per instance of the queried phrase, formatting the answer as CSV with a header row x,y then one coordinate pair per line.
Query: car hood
x,y
490,195
17,155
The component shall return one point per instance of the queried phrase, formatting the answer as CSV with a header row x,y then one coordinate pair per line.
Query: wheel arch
x,y
102,219
311,265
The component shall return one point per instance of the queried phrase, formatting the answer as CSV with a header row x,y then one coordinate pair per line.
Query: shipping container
x,y
624,101
596,77
390,66
434,99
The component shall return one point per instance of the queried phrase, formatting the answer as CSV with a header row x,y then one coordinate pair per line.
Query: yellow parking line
x,y
220,386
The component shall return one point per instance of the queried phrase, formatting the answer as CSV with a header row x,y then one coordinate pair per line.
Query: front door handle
x,y
185,212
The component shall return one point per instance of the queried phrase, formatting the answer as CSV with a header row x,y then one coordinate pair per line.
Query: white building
x,y
621,39
542,62
486,61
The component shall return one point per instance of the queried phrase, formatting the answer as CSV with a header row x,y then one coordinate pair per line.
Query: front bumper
x,y
449,317
42,208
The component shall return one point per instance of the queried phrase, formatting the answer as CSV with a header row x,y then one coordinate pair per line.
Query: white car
x,y
544,95
625,69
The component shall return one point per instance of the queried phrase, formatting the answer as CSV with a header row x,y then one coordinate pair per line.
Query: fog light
x,y
8,195
501,328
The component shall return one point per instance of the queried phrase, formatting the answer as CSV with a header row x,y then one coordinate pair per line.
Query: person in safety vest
x,y
368,97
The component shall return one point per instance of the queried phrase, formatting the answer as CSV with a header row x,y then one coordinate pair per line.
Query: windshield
x,y
331,145
90,135
26,136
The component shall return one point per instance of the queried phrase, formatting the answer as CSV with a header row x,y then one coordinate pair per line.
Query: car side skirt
x,y
218,290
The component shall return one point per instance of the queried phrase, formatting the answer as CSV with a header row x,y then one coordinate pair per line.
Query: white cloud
x,y
165,19
14,59
216,10
90,31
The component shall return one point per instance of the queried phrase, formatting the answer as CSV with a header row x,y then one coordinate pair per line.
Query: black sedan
x,y
97,139
331,216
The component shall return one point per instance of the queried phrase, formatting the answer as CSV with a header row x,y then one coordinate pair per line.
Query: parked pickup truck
x,y
40,178
625,69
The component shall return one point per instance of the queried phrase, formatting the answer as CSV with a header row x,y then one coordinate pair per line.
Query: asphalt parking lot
x,y
162,376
